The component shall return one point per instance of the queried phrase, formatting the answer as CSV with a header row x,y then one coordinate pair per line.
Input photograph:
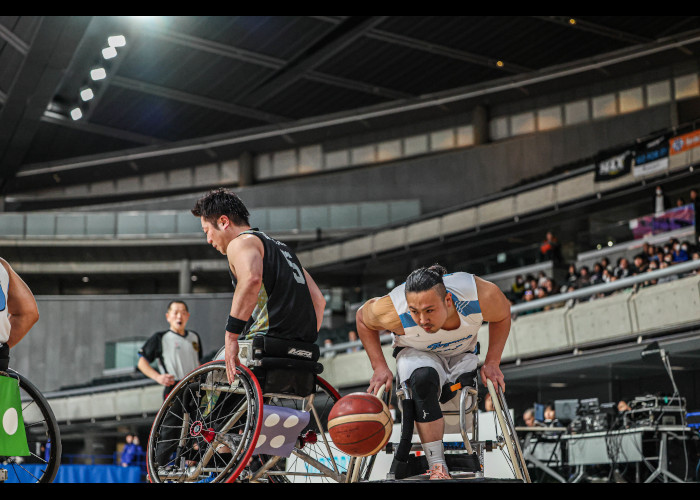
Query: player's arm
x,y
375,315
21,305
495,308
317,298
245,256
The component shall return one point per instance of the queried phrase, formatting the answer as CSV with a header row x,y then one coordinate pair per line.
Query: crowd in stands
x,y
650,258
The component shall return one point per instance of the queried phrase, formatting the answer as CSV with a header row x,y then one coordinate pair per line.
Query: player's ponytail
x,y
426,278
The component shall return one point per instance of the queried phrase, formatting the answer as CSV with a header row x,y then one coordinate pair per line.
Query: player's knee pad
x,y
425,387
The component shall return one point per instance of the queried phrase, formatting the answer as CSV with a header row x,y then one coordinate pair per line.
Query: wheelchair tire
x,y
206,429
40,426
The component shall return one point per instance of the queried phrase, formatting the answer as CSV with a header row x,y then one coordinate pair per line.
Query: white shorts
x,y
447,367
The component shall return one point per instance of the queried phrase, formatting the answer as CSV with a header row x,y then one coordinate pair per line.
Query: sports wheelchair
x,y
464,455
208,430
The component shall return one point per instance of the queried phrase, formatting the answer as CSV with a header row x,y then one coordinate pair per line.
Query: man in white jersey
x,y
18,311
434,319
177,351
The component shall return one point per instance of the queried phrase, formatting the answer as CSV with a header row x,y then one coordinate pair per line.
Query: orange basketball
x,y
360,424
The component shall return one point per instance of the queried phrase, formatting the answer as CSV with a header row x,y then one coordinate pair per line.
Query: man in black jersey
x,y
273,294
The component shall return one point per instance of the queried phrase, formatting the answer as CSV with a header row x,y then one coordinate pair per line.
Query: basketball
x,y
360,424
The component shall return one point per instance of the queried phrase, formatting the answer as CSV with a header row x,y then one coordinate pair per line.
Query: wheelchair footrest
x,y
416,465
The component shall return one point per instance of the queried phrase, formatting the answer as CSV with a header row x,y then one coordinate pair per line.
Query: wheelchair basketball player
x,y
434,318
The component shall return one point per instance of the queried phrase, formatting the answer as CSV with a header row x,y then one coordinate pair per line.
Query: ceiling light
x,y
86,94
85,279
76,113
610,243
499,64
572,21
116,41
557,384
98,74
109,52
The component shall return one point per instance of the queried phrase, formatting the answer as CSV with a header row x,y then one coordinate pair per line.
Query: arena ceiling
x,y
192,90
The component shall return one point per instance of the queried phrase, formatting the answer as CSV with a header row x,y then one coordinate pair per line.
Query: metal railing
x,y
675,269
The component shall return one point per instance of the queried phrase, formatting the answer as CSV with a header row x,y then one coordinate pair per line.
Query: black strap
x,y
294,364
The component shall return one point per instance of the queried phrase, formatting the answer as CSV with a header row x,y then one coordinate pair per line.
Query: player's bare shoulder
x,y
494,304
379,314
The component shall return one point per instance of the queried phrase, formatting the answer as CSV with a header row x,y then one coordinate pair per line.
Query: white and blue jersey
x,y
4,316
462,287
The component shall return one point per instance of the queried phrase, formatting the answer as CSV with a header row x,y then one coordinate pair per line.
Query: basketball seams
x,y
364,417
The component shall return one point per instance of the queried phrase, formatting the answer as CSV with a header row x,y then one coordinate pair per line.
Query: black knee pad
x,y
425,387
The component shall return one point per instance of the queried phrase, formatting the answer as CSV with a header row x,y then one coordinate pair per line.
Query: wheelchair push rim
x,y
214,440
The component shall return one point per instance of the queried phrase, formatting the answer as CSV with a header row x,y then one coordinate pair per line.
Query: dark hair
x,y
221,202
177,302
426,278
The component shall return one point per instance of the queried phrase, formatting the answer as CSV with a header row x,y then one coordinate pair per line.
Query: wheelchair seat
x,y
284,366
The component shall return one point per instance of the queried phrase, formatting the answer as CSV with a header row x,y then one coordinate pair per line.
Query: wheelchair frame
x,y
508,437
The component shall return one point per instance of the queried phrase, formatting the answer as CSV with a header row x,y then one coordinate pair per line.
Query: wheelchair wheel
x,y
207,429
40,428
508,429
315,459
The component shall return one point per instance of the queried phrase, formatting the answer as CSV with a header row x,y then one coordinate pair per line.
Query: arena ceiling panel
x,y
188,90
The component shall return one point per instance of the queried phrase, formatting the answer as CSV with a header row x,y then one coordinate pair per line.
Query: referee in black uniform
x,y
273,294
176,351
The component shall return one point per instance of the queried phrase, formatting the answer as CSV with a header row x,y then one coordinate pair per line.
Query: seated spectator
x,y
640,263
597,274
649,251
529,296
541,279
530,282
518,287
529,417
605,262
584,277
622,406
607,275
679,252
572,274
550,418
622,270
666,279
653,266
352,337
680,201
549,287
328,343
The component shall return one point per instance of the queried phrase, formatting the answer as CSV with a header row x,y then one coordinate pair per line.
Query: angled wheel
x,y
207,429
508,429
40,428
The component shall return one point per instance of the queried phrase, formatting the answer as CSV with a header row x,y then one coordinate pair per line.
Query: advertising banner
x,y
684,142
612,165
651,156
674,218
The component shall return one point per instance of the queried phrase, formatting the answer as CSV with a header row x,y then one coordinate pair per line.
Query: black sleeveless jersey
x,y
284,308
